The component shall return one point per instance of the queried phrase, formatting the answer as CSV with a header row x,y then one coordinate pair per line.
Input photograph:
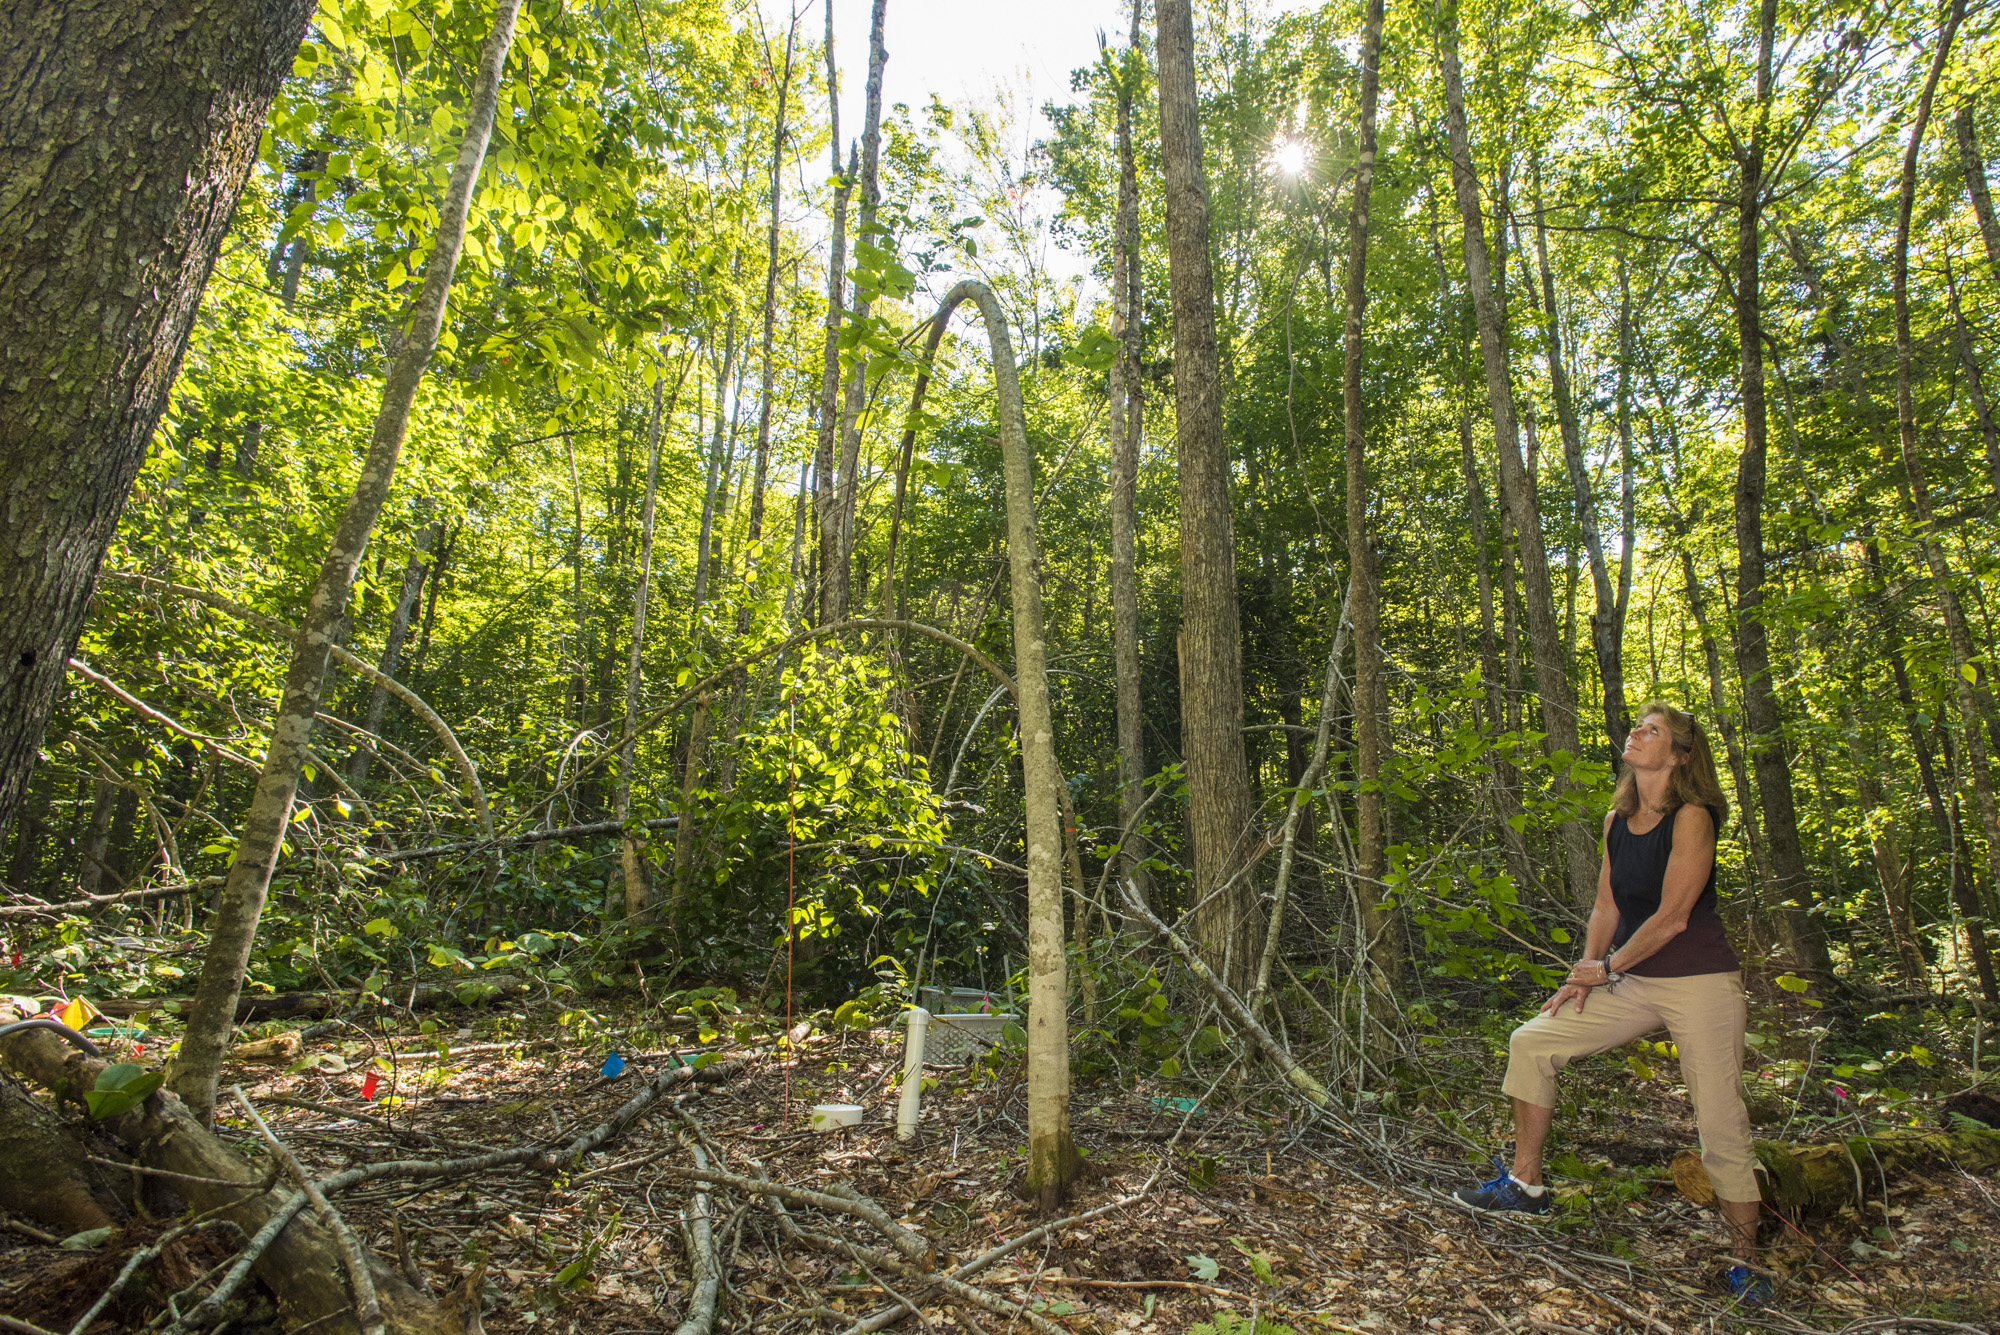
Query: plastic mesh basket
x,y
954,1038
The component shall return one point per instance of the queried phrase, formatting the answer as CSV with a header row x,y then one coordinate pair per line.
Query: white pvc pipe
x,y
910,1106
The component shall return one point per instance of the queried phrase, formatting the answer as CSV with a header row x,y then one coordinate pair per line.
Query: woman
x,y
1655,957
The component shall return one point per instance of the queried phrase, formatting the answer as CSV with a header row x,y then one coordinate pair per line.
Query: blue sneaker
x,y
1750,1288
1504,1194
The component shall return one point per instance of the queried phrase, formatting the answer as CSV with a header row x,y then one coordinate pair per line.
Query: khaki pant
x,y
1705,1015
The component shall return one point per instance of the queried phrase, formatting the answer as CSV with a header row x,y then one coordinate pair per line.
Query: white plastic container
x,y
833,1116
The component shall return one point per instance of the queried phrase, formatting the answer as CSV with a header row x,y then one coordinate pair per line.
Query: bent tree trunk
x,y
1227,925
1053,1162
1517,482
235,927
127,130
392,649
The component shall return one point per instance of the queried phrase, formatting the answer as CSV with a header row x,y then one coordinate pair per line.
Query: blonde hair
x,y
1693,781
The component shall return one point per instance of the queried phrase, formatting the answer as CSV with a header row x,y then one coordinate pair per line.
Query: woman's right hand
x,y
1564,993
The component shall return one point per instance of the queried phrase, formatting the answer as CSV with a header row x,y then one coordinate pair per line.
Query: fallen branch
x,y
28,908
286,1005
701,1244
1624,1309
442,730
1232,1005
914,1246
367,1307
141,1258
565,834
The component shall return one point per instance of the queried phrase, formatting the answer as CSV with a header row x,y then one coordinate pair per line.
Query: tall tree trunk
x,y
1718,703
132,126
1975,379
392,648
1969,673
1517,484
632,851
1791,891
840,573
836,303
1607,623
1127,400
708,549
1892,872
1053,1162
212,1014
579,672
1371,698
97,838
767,390
1227,926
1974,166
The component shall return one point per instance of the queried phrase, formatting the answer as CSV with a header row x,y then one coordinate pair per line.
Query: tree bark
x,y
707,549
301,1266
836,303
1053,1162
131,126
1517,483
1791,892
234,927
1975,379
392,648
1607,623
632,853
1226,924
840,572
1371,698
1969,673
1127,401
1973,163
767,390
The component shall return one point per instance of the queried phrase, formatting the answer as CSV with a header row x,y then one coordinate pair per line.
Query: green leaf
x,y
1792,983
1970,673
120,1088
1204,1267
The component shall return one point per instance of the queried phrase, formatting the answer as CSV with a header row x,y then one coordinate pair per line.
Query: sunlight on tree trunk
x,y
1228,924
212,1015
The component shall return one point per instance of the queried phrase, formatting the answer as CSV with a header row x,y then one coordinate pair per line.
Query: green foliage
x,y
120,1087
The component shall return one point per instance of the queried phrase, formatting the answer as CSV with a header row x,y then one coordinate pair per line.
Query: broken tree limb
x,y
43,1174
289,1005
913,1246
299,1263
474,790
1823,1179
701,1244
367,1307
144,1257
563,834
1232,1006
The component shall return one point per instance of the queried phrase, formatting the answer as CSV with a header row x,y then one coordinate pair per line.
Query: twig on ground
x,y
912,1245
30,1231
367,1306
141,1258
1596,1291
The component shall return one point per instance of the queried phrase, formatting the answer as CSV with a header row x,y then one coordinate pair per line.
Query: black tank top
x,y
1638,874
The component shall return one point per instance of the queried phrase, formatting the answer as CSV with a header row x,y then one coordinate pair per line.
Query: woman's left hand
x,y
1590,973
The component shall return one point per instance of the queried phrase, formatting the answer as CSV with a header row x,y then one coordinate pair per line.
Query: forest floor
x,y
1347,1238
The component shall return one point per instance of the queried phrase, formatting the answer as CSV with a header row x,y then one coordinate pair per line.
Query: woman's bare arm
x,y
1687,875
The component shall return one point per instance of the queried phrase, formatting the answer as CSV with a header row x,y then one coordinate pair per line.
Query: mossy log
x,y
301,1267
44,1172
1823,1179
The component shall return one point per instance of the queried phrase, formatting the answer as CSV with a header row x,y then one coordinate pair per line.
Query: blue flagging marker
x,y
614,1066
